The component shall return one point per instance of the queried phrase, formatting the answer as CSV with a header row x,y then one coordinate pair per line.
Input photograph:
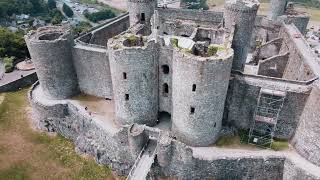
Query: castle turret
x,y
141,11
51,51
199,90
134,72
278,7
242,14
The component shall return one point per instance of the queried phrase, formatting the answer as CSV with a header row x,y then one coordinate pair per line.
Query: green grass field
x,y
29,154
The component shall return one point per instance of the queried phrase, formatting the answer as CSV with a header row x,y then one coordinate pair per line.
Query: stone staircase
x,y
143,163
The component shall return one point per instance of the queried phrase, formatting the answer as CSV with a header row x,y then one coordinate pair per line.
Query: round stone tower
x,y
199,90
141,11
278,7
134,72
51,51
242,14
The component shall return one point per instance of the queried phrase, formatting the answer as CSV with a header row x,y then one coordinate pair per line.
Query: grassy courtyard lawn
x,y
28,154
240,141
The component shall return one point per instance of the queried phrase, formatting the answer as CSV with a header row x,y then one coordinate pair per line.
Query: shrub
x,y
52,4
8,68
8,64
279,145
67,10
132,40
12,44
101,15
186,50
115,47
82,27
57,17
244,135
212,50
175,42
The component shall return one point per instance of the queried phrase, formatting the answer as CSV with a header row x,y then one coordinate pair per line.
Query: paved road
x,y
13,76
143,167
76,14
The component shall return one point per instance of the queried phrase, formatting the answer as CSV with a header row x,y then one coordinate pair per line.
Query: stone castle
x,y
150,92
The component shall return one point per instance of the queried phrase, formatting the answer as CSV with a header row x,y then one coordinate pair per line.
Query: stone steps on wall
x,y
142,168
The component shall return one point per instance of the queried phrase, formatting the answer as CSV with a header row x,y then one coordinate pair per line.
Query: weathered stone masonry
x,y
146,75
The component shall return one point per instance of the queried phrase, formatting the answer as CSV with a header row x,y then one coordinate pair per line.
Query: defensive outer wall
x,y
91,72
112,149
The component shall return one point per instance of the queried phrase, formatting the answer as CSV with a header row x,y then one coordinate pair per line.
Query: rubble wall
x,y
93,70
19,83
210,18
299,67
112,149
212,163
100,35
243,96
292,170
274,66
306,139
88,134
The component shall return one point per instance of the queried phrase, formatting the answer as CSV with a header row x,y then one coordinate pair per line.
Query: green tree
x,y
82,27
8,63
101,15
9,7
67,10
56,16
12,44
52,4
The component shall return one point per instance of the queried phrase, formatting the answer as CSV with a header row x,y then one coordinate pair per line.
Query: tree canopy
x,y
52,4
12,44
9,7
67,10
101,15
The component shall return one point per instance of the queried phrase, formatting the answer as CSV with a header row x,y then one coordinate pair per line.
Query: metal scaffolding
x,y
270,103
